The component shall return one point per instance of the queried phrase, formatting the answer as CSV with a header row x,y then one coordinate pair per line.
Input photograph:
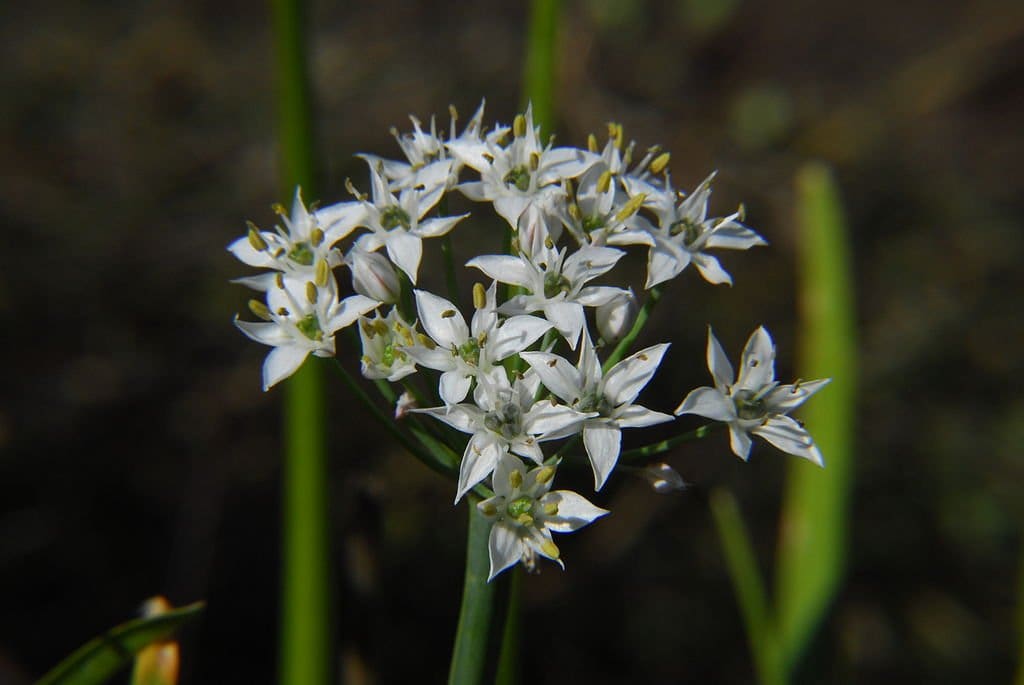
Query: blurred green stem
x,y
305,654
469,655
539,72
508,657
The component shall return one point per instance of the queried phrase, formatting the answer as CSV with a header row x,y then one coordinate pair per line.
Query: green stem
x,y
539,71
305,651
508,657
656,448
653,296
470,652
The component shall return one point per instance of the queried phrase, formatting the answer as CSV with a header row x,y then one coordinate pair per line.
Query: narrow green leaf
x,y
812,543
101,658
469,655
508,656
750,592
539,71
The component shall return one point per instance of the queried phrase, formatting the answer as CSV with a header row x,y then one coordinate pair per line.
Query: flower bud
x,y
663,478
374,276
616,317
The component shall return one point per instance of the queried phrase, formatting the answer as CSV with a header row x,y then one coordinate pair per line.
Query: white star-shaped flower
x,y
505,418
462,352
755,404
384,340
611,396
300,317
593,217
518,174
555,284
684,233
525,513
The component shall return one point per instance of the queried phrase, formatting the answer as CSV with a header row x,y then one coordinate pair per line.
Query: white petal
x,y
665,261
505,548
528,448
551,421
574,511
509,207
434,228
406,251
439,358
515,335
557,374
502,478
786,398
348,310
635,416
282,362
462,417
789,436
590,262
481,456
603,441
627,378
739,441
718,363
732,235
475,190
503,268
711,269
568,318
337,221
247,254
757,365
263,332
441,319
709,403
597,295
454,386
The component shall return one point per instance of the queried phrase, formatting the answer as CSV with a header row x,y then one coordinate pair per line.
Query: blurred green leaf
x,y
101,658
812,544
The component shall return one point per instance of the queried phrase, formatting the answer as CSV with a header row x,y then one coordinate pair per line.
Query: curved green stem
x,y
653,296
470,653
656,448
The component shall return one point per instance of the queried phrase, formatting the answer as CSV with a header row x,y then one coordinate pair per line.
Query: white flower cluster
x,y
499,378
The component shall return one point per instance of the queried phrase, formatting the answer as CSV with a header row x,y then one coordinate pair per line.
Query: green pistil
x,y
309,326
690,229
470,352
301,253
595,402
518,507
519,177
394,216
555,283
507,421
748,405
593,223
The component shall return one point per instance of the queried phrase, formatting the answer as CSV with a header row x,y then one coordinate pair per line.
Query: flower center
x,y
506,421
518,177
301,253
593,223
469,351
309,326
749,405
555,283
595,402
690,229
520,506
394,216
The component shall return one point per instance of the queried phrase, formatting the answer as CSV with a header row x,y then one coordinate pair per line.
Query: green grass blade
x,y
540,70
508,657
103,657
749,588
812,545
305,653
469,657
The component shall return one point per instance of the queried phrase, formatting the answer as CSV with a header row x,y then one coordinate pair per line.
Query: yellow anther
x,y
631,207
260,310
255,239
279,280
311,292
534,161
525,520
448,313
604,181
592,143
279,209
515,479
488,509
316,236
660,162
550,549
479,296
367,326
519,126
551,509
549,243
575,212
615,133
283,311
545,474
453,113
741,212
426,341
380,327
322,273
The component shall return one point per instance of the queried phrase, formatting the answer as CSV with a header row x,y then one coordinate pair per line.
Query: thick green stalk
x,y
305,652
812,544
539,70
469,655
508,657
653,296
750,592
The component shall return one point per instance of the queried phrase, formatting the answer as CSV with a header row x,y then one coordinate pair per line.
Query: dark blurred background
x,y
138,455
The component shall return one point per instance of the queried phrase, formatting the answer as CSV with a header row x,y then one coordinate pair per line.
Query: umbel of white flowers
x,y
502,376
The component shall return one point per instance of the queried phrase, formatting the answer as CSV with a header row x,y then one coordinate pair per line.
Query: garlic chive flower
x,y
505,418
384,340
684,233
610,397
593,217
300,317
525,512
755,403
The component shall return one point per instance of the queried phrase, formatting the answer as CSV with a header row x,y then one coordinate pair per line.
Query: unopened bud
x,y
404,405
660,162
616,317
519,126
374,276
479,296
663,478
